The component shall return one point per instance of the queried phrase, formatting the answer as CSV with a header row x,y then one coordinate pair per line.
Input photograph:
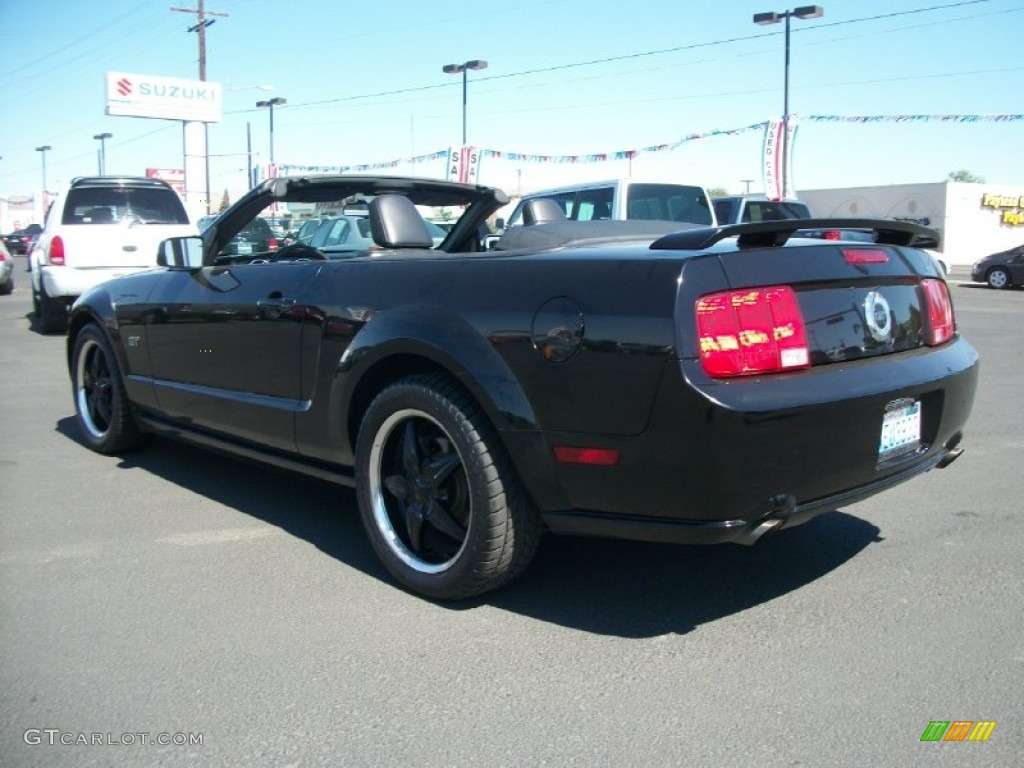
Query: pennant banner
x,y
1011,118
473,168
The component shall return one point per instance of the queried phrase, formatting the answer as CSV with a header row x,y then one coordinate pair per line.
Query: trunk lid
x,y
857,300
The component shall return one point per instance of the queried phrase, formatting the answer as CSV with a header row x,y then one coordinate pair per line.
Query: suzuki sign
x,y
167,98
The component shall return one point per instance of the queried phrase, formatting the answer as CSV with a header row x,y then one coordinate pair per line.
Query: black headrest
x,y
395,223
542,209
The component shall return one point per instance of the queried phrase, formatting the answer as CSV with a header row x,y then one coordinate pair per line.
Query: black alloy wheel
x,y
103,413
440,501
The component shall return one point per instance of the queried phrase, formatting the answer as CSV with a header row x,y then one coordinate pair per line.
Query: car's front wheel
x,y
998,278
439,498
104,415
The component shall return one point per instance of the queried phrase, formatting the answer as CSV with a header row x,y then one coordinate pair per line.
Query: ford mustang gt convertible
x,y
641,380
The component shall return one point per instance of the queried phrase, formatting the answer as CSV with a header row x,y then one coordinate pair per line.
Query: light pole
x,y
771,17
102,139
277,101
454,69
44,149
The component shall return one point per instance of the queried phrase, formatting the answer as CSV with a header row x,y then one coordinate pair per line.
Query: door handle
x,y
275,306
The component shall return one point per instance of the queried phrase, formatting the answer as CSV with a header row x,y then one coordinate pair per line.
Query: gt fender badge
x,y
878,317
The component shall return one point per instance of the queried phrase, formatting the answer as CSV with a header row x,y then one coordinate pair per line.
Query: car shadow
x,y
984,286
619,588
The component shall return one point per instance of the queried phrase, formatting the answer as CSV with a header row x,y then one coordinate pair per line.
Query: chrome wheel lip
x,y
381,517
82,393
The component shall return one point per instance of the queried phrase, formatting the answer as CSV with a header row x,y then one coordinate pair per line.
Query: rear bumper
x,y
786,514
70,283
720,460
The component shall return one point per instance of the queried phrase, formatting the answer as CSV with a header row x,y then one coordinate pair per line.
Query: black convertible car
x,y
644,380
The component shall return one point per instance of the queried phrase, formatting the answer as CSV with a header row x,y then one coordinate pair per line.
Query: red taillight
x,y
833,234
272,244
57,251
940,311
759,330
865,256
596,457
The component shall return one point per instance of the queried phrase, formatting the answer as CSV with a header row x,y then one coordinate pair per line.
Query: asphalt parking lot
x,y
239,615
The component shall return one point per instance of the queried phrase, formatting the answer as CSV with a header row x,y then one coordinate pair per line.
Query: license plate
x,y
901,429
244,248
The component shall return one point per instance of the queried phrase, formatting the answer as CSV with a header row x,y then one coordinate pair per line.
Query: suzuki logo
x,y
124,86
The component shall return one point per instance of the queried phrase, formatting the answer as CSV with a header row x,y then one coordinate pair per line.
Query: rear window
x,y
257,228
114,205
668,202
768,210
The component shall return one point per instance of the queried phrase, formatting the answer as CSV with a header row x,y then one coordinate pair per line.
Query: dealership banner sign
x,y
166,98
464,165
779,135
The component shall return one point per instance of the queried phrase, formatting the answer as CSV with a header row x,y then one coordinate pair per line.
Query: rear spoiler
x,y
776,233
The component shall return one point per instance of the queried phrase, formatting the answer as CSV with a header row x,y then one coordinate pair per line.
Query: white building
x,y
974,220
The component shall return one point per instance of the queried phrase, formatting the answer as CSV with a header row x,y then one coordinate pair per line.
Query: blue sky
x,y
364,85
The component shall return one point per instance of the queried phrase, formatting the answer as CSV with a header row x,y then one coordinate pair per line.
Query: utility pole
x,y
200,26
202,22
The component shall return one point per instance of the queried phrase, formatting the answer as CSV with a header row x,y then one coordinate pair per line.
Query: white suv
x,y
101,228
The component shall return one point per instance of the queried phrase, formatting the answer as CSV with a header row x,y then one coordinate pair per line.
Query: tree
x,y
718,192
965,175
225,201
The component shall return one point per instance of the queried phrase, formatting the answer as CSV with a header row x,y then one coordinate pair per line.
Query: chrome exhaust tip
x,y
754,534
949,458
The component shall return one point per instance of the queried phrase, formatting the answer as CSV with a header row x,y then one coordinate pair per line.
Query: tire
x,y
52,314
7,288
101,407
998,278
441,503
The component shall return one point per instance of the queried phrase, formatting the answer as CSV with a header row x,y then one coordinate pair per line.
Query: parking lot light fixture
x,y
102,139
277,101
44,149
773,17
455,69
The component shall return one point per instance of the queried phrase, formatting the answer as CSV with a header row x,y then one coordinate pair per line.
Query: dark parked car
x,y
607,378
255,238
22,240
1000,270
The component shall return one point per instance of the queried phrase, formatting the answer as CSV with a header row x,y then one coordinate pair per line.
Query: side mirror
x,y
499,224
181,253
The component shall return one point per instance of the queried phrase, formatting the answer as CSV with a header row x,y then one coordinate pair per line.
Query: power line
x,y
629,56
